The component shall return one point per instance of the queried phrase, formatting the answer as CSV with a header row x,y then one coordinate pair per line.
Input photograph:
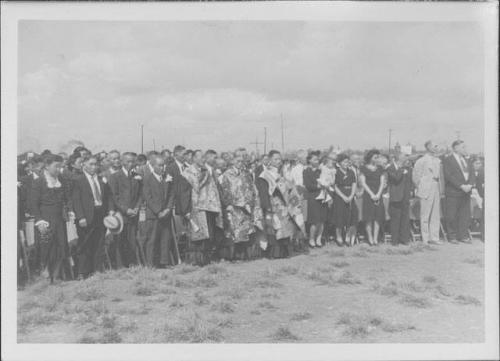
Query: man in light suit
x,y
429,183
459,181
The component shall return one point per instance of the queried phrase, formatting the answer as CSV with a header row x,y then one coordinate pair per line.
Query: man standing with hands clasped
x,y
126,193
459,180
399,174
428,179
158,194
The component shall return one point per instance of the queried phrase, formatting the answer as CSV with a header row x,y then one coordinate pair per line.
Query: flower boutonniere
x,y
138,177
168,178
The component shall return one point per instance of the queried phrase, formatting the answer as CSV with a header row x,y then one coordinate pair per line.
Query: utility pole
x,y
265,140
142,138
154,144
256,143
282,135
390,134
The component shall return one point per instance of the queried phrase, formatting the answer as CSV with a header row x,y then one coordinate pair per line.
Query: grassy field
x,y
336,295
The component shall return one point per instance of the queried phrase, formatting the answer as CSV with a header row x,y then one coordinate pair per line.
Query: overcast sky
x,y
218,84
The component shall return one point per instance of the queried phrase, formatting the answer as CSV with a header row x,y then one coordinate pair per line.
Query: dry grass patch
x,y
89,292
340,264
206,282
235,293
301,316
200,299
347,278
336,253
177,304
415,301
283,334
185,269
266,283
474,260
223,307
399,251
270,295
192,329
361,254
289,270
429,279
216,269
267,306
144,288
467,300
356,326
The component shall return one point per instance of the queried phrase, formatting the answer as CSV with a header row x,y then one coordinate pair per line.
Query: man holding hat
x,y
91,202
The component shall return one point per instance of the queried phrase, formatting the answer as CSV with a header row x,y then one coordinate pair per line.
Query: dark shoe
x,y
453,241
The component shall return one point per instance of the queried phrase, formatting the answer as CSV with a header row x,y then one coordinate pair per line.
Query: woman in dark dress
x,y
372,179
317,211
49,200
344,208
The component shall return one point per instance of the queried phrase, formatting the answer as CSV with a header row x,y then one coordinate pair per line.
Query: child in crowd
x,y
326,179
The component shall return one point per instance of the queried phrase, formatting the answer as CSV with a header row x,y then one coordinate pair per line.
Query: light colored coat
x,y
426,169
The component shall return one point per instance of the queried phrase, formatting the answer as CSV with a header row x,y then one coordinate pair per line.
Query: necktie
x,y
463,165
97,192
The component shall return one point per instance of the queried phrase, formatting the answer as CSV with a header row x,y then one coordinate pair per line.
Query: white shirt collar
x,y
52,182
150,167
125,171
157,176
179,164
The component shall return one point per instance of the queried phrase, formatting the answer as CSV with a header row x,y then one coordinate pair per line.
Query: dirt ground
x,y
383,294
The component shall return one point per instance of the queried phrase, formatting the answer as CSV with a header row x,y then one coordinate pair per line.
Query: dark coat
x,y
45,203
454,178
25,190
83,199
400,184
311,182
125,191
182,189
479,182
158,196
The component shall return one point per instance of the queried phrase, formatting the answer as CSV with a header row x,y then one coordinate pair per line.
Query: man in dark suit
x,y
459,180
126,192
400,186
158,195
91,203
181,186
478,169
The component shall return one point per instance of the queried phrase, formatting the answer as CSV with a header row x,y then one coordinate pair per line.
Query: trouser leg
x,y
451,215
464,218
395,222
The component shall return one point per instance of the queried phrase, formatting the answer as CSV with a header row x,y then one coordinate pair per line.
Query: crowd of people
x,y
84,213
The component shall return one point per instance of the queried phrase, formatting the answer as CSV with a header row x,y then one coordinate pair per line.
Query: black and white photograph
x,y
271,180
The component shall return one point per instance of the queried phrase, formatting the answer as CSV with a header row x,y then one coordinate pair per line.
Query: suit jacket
x,y
454,177
25,193
400,184
125,192
83,199
182,190
479,182
425,171
157,195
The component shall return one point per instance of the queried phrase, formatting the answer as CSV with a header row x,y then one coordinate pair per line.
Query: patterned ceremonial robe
x,y
238,191
204,197
284,202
